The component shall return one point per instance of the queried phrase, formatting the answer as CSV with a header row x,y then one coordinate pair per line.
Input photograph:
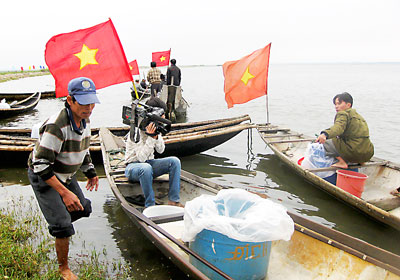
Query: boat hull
x,y
184,139
376,201
22,106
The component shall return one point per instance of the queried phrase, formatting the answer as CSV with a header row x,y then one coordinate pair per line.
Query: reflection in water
x,y
209,166
11,175
147,262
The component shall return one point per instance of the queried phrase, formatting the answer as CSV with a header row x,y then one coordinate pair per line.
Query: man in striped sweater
x,y
62,149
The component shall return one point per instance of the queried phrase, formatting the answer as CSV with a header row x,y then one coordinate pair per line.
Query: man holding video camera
x,y
143,167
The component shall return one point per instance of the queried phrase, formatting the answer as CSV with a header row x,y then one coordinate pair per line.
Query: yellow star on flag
x,y
130,67
87,56
246,76
162,58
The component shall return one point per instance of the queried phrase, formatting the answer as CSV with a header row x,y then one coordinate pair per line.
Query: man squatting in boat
x,y
62,149
348,139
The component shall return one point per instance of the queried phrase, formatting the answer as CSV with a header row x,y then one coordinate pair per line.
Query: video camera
x,y
142,116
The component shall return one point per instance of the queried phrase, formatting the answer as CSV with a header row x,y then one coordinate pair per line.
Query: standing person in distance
x,y
173,81
62,149
153,76
173,73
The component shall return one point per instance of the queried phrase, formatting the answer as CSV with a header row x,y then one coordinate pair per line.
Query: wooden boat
x,y
313,252
184,139
22,106
23,95
383,176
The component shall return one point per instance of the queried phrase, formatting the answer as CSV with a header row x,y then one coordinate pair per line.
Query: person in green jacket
x,y
348,139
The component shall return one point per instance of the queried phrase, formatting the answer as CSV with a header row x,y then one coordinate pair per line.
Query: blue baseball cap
x,y
84,90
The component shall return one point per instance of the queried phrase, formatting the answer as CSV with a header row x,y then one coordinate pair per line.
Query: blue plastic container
x,y
240,260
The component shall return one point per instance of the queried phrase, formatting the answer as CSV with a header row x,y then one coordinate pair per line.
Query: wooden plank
x,y
283,135
108,140
292,141
167,218
273,130
351,166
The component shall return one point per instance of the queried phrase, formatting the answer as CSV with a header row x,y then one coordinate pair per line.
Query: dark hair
x,y
345,96
173,61
156,102
153,64
66,102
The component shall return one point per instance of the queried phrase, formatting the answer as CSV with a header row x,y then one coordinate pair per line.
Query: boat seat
x,y
120,178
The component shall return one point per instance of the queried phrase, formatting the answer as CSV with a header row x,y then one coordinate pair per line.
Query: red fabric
x,y
106,63
134,67
161,58
251,69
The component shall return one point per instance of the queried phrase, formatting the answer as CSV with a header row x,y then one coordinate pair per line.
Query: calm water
x,y
300,97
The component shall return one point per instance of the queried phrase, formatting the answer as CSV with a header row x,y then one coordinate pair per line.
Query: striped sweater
x,y
60,150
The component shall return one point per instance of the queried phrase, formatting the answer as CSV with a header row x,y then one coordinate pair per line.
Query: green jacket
x,y
350,135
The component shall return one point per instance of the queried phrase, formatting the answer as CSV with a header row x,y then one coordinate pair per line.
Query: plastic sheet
x,y
315,158
239,215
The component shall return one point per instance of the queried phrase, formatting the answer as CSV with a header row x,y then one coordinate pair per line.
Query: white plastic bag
x,y
315,157
238,214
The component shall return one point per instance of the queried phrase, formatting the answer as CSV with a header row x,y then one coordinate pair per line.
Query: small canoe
x,y
383,176
22,106
183,140
23,95
313,252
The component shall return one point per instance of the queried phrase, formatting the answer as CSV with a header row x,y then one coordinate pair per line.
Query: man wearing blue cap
x,y
62,149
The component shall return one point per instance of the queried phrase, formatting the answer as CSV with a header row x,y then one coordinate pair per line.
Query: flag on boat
x,y
95,52
134,67
246,79
161,58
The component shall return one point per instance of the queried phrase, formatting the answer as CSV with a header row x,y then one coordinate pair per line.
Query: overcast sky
x,y
211,32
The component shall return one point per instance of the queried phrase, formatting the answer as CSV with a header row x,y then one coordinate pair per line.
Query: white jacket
x,y
144,149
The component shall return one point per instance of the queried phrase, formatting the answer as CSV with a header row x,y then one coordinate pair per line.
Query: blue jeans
x,y
144,172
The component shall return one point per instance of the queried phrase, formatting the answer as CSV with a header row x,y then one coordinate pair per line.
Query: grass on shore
x,y
27,249
6,76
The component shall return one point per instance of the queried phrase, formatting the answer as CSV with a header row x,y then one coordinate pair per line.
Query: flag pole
x,y
267,109
134,87
266,88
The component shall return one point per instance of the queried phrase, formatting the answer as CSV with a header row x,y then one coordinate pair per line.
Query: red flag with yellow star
x,y
161,58
134,67
246,79
95,52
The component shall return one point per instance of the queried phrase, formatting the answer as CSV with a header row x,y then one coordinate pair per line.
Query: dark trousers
x,y
53,208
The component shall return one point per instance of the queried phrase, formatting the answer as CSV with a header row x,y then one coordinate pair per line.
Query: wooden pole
x,y
266,87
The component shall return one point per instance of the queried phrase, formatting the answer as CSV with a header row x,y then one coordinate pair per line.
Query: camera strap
x,y
133,131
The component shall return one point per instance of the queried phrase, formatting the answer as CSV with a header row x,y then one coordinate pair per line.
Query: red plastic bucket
x,y
351,181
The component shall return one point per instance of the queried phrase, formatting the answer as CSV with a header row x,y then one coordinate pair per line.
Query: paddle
x,y
149,222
